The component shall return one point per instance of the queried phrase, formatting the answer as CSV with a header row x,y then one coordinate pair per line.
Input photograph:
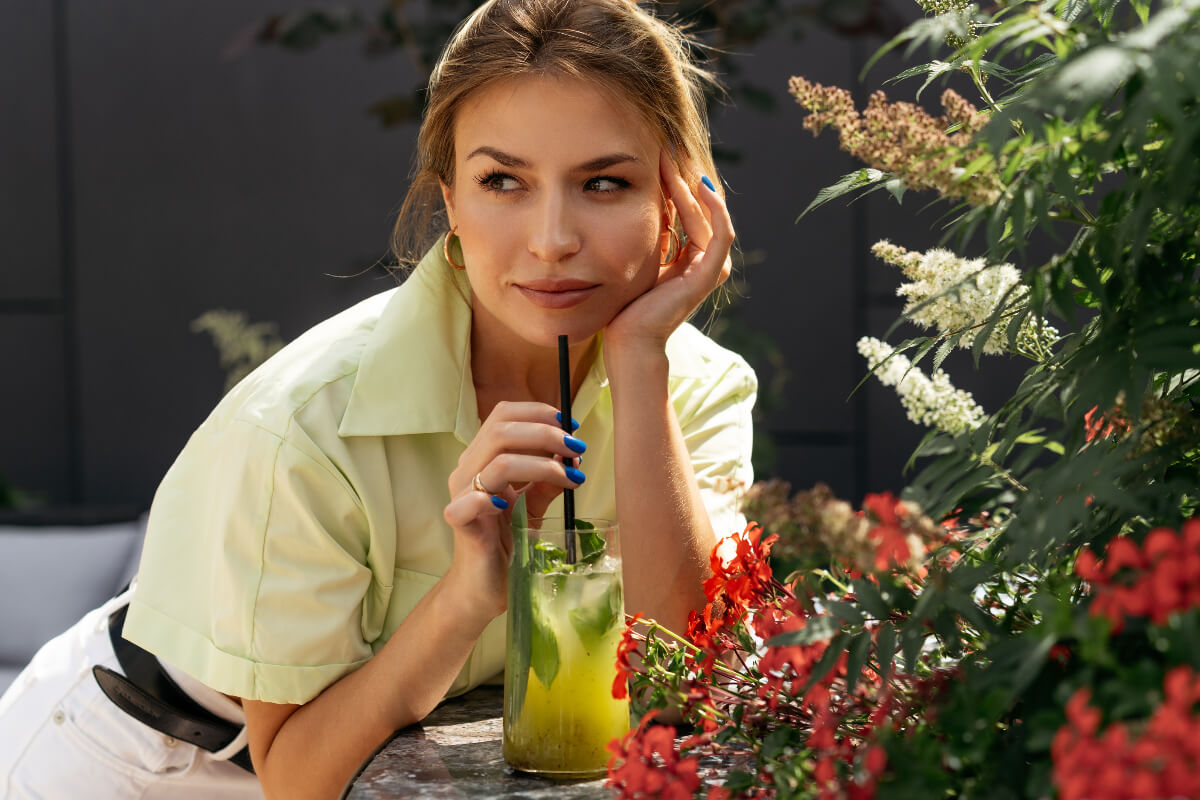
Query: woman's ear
x,y
448,199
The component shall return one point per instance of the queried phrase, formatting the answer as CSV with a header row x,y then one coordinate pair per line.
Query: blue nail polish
x,y
574,475
499,502
574,423
704,179
576,445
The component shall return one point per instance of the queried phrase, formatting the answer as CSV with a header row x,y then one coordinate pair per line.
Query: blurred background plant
x,y
14,499
419,30
241,345
1048,643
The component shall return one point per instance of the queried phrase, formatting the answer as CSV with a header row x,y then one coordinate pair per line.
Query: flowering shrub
x,y
931,401
1024,620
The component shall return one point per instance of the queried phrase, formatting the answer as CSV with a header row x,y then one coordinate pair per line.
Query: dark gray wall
x,y
145,178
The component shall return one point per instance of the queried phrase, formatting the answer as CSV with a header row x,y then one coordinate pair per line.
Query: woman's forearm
x,y
313,750
666,536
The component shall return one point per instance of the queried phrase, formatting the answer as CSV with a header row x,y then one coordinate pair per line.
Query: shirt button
x,y
59,717
170,741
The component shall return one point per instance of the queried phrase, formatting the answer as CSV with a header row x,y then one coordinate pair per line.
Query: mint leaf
x,y
543,648
595,620
519,629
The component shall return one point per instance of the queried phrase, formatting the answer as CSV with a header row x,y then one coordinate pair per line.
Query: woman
x,y
327,558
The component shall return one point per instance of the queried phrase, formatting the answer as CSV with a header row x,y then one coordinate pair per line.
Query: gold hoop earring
x,y
678,241
446,248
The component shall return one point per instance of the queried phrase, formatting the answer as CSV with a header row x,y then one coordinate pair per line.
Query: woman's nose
x,y
554,234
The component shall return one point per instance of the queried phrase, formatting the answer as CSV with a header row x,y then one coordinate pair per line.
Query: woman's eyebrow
x,y
499,155
508,160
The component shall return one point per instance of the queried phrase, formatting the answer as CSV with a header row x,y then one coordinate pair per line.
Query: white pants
x,y
61,738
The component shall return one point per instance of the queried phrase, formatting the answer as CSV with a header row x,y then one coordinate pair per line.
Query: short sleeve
x,y
715,418
254,574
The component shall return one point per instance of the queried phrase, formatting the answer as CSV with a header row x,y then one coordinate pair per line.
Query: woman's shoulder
x,y
695,355
322,360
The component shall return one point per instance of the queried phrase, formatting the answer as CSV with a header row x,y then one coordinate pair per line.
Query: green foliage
x,y
1095,135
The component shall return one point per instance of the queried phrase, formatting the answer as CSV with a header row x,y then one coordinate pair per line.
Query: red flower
x,y
1103,425
743,579
891,547
646,764
625,670
891,541
1155,580
1164,761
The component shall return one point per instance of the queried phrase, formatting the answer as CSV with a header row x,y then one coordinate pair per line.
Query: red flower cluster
x,y
646,764
786,668
738,583
1162,762
625,670
891,540
1155,580
1103,425
744,578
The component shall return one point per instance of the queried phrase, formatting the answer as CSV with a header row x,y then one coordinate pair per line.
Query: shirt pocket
x,y
408,587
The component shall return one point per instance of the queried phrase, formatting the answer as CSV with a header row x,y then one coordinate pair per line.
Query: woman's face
x,y
557,202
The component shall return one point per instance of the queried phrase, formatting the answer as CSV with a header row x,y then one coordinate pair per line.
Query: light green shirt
x,y
303,520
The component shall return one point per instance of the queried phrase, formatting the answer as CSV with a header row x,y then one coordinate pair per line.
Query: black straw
x,y
564,385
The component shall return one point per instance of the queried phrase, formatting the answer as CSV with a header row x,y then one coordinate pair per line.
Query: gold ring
x,y
479,487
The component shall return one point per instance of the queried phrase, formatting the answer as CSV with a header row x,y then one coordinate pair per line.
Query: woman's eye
x,y
498,182
605,185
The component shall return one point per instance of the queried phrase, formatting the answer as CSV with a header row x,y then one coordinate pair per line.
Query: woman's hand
x,y
701,267
519,450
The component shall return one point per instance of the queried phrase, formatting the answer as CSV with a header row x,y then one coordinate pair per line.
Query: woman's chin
x,y
577,331
549,338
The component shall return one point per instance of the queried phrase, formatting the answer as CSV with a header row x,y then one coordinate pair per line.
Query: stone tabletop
x,y
455,753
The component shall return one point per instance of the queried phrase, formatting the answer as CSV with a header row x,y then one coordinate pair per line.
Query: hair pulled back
x,y
615,43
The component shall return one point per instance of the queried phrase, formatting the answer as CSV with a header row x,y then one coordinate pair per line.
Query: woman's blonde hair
x,y
616,43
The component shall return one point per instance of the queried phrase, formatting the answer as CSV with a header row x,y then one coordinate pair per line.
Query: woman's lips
x,y
548,296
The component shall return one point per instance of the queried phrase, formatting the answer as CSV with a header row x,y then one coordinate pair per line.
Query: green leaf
x,y
594,621
830,657
870,599
845,612
520,617
860,645
777,741
591,544
543,647
885,647
1031,664
845,185
818,629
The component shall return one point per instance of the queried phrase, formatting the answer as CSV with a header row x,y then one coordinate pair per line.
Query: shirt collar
x,y
419,356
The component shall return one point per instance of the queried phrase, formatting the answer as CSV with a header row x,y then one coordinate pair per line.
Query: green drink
x,y
564,624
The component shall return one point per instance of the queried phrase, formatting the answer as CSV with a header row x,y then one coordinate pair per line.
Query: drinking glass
x,y
565,621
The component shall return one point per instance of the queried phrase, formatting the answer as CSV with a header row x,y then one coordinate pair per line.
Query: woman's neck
x,y
506,367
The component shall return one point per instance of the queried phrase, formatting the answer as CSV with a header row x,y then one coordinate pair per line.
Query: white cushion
x,y
51,576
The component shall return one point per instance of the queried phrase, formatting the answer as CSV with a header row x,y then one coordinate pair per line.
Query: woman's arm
x,y
666,536
312,750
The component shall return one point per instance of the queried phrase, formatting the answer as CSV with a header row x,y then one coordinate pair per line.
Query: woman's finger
x,y
464,510
534,437
691,213
721,225
518,469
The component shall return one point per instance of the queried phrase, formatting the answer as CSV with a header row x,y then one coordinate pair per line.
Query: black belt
x,y
147,693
